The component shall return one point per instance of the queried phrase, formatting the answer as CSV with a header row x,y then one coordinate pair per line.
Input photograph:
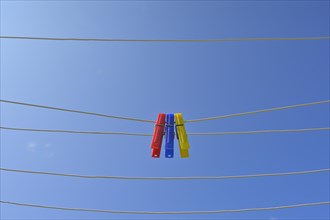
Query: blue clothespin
x,y
169,137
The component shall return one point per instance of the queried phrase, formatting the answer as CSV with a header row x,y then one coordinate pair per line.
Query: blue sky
x,y
143,79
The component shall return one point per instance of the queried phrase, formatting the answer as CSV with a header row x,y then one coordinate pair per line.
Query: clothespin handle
x,y
182,135
157,139
169,138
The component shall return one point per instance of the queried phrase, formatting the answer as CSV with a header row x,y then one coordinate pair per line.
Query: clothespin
x,y
182,135
156,143
169,136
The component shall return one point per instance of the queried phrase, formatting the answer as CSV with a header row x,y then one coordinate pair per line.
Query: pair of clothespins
x,y
165,126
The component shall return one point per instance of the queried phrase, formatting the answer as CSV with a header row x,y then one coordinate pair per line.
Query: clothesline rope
x,y
190,134
258,111
151,121
168,40
168,213
169,178
77,111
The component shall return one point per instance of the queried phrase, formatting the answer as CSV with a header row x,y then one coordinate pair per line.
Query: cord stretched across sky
x,y
190,134
168,213
151,121
169,178
168,40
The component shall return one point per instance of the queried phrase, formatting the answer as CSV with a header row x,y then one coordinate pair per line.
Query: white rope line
x,y
169,178
168,40
190,134
258,111
151,121
77,111
75,132
174,212
259,132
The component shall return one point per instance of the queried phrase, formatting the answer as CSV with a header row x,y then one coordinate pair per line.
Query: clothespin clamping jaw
x,y
157,139
182,135
169,137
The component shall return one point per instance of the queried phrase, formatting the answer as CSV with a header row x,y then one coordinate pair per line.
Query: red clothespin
x,y
157,139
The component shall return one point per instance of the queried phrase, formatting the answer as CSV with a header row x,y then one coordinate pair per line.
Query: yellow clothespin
x,y
181,135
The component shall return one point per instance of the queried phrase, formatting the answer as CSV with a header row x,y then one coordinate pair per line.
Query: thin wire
x,y
169,178
259,111
75,132
191,134
151,121
77,111
175,212
168,40
259,132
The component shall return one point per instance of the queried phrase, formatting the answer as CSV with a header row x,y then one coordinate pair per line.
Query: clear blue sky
x,y
143,79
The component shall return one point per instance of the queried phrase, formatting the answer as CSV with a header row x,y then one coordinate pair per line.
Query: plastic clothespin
x,y
157,139
181,135
169,137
